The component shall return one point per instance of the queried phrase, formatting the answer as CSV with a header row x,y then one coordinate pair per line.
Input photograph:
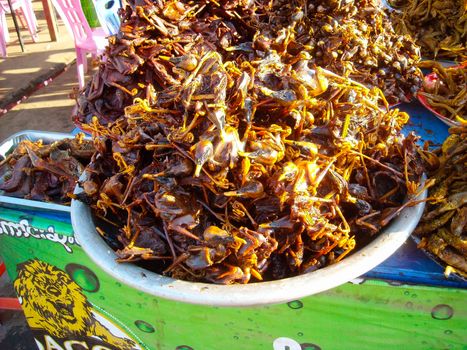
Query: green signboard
x,y
71,304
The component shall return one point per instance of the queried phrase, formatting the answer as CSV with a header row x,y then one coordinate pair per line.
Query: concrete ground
x,y
19,69
35,89
48,108
14,332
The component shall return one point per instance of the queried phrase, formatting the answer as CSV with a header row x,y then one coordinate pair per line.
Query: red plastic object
x,y
431,78
8,303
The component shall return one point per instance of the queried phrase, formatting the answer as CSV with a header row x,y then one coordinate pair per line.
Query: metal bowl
x,y
262,293
7,147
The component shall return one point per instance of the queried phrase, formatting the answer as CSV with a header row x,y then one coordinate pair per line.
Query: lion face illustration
x,y
51,296
52,301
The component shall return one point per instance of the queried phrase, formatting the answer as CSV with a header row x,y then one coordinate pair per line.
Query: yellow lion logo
x,y
52,301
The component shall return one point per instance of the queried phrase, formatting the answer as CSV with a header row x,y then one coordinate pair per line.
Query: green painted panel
x,y
371,315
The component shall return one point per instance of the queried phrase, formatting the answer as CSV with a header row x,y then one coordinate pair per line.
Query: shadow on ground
x,y
14,333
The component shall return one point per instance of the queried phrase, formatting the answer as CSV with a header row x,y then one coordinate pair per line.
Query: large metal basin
x,y
9,145
253,294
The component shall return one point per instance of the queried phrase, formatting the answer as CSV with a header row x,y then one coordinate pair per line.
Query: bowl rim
x,y
242,295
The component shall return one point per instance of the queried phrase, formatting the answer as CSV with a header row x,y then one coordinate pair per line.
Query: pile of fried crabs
x,y
238,141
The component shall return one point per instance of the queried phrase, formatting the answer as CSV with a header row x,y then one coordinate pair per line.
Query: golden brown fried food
x,y
45,172
356,39
443,227
445,91
161,42
439,26
250,170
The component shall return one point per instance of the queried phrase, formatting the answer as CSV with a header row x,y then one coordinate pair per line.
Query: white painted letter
x,y
69,344
285,344
51,344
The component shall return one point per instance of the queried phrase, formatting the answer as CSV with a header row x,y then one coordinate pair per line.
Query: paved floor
x,y
49,108
34,101
38,102
20,71
14,333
